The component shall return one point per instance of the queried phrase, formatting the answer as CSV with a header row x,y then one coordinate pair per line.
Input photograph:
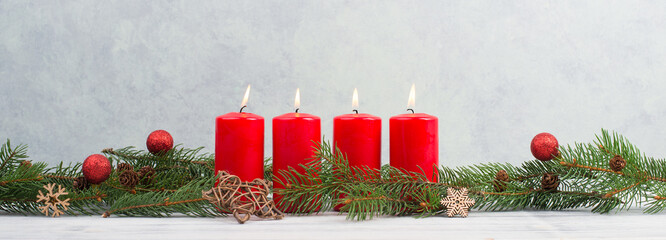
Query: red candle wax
x,y
359,137
293,136
239,145
414,143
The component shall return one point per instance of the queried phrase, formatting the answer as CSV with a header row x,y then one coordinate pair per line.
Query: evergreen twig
x,y
585,181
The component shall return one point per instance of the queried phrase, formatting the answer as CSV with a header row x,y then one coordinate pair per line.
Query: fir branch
x,y
127,154
58,177
17,200
503,193
11,156
523,178
610,194
174,168
186,200
134,190
98,197
38,178
585,181
329,174
575,165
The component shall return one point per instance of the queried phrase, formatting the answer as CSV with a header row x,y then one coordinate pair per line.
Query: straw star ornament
x,y
457,202
52,200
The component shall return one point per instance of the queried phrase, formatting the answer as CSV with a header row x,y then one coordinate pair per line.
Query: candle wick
x,y
241,110
409,109
356,111
297,110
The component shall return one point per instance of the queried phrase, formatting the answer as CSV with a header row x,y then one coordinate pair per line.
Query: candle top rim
x,y
294,115
237,115
357,116
414,116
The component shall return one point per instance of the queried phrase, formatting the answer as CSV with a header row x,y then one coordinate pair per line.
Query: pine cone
x,y
550,181
146,174
80,183
500,181
617,163
124,166
128,178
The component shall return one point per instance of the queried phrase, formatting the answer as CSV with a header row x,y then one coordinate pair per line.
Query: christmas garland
x,y
608,174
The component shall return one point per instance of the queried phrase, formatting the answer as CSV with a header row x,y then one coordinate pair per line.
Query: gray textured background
x,y
79,76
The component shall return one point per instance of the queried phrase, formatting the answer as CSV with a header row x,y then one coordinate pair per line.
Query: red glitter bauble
x,y
544,146
159,141
96,168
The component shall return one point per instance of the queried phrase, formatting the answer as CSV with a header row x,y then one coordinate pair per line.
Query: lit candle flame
x,y
247,95
355,100
412,98
297,100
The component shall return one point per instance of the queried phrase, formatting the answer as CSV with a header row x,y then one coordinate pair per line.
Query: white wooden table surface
x,y
479,225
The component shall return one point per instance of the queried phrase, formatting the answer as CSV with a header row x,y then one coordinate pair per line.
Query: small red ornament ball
x,y
544,146
159,141
96,168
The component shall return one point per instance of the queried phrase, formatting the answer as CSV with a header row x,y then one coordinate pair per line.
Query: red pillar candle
x,y
294,136
359,137
239,143
414,142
